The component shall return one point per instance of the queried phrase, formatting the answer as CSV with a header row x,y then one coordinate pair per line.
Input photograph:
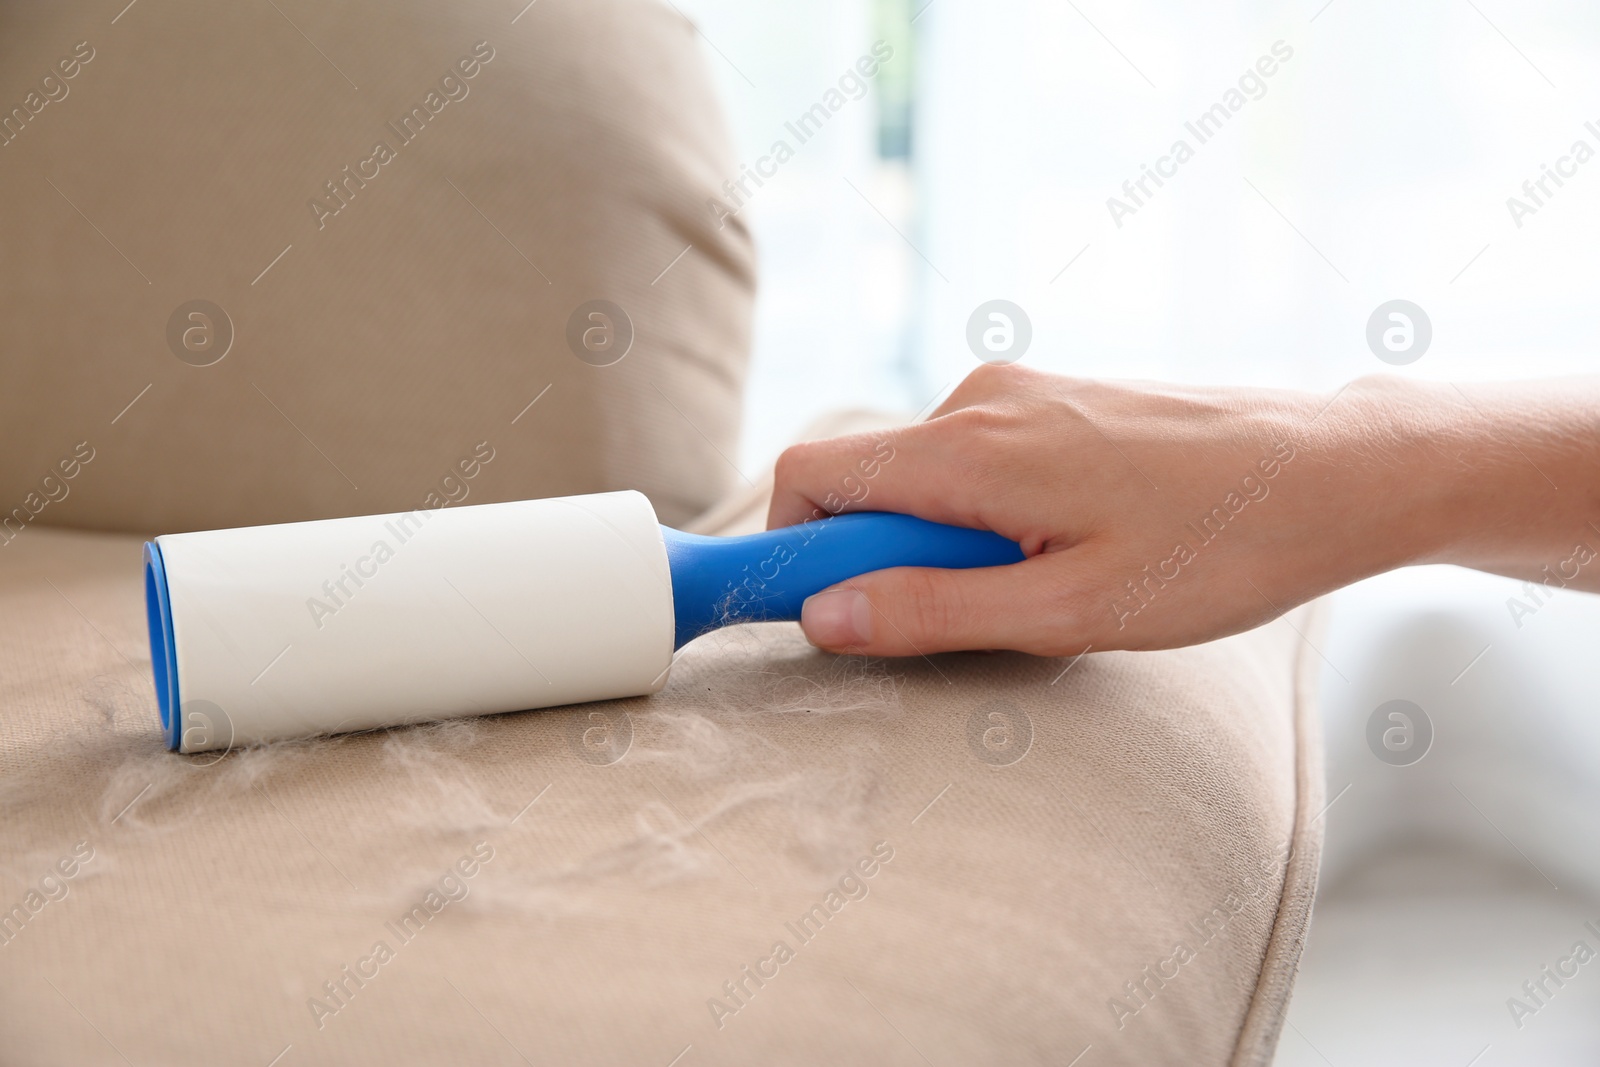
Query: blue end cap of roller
x,y
766,577
163,649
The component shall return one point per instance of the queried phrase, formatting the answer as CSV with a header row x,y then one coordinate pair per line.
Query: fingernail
x,y
837,618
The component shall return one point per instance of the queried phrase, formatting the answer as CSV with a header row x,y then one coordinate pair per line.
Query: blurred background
x,y
1374,164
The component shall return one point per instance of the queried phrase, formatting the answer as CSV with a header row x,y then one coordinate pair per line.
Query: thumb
x,y
909,611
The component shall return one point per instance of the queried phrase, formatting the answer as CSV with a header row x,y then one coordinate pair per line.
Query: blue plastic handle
x,y
765,577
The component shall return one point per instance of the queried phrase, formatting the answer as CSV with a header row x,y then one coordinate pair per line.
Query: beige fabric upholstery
x,y
180,159
963,859
1008,903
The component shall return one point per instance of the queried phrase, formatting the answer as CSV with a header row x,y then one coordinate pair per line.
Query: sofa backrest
x,y
294,261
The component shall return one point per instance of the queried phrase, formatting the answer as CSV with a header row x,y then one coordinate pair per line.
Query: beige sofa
x,y
784,857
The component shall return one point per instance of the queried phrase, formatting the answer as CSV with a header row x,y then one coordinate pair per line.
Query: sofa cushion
x,y
380,318
784,857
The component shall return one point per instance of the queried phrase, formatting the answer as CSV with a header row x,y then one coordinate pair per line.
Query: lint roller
x,y
273,632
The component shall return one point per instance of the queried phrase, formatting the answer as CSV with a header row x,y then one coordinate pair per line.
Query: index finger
x,y
909,470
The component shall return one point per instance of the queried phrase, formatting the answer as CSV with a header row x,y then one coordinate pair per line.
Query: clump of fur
x,y
731,739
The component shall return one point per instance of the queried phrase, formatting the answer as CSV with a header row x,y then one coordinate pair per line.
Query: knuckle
x,y
985,380
967,387
971,427
791,462
996,377
978,442
992,383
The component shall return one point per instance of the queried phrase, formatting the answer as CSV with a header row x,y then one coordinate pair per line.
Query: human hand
x,y
1155,516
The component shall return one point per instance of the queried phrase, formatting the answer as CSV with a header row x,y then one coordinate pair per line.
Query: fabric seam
x,y
1264,1018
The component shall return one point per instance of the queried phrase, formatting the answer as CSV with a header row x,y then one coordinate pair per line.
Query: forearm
x,y
1502,477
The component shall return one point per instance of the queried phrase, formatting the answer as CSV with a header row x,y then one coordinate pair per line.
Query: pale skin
x,y
1157,516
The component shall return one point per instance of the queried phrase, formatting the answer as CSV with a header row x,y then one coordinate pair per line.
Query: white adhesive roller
x,y
274,632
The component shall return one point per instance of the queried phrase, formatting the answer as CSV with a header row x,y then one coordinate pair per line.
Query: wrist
x,y
1396,475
